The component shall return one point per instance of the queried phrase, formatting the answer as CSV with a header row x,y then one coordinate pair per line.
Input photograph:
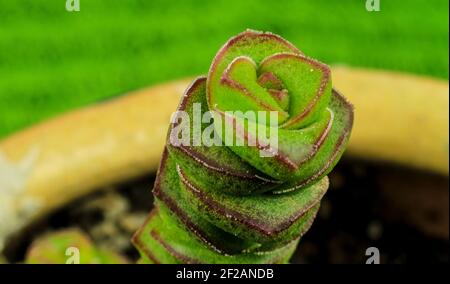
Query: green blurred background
x,y
52,61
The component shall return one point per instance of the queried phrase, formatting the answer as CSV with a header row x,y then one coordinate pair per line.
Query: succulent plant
x,y
252,202
70,246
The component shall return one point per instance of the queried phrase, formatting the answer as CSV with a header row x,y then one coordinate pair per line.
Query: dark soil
x,y
401,212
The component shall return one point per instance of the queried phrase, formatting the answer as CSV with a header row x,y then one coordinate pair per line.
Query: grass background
x,y
52,61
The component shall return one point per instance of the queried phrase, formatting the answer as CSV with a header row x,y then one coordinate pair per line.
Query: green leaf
x,y
69,246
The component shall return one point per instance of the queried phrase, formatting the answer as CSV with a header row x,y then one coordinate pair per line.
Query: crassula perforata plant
x,y
229,203
70,246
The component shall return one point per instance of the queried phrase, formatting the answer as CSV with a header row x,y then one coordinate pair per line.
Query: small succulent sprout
x,y
69,246
248,202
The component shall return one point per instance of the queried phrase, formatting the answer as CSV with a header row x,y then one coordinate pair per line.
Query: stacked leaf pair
x,y
247,202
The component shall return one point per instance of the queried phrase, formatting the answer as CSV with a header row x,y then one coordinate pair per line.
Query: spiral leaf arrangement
x,y
230,204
